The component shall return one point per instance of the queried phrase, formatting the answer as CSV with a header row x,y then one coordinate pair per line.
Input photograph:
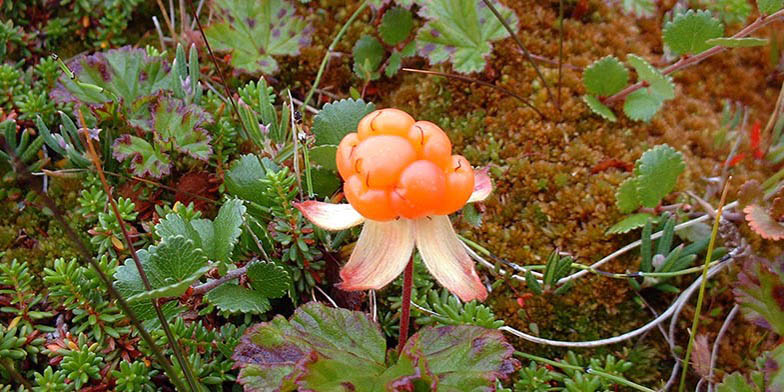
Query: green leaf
x,y
768,7
368,54
255,31
244,179
396,25
394,64
171,267
641,105
660,85
626,198
463,357
324,156
759,290
747,42
277,352
219,237
472,215
599,108
461,31
327,349
232,298
337,119
325,182
145,159
641,8
269,279
215,238
605,77
125,74
181,126
657,171
688,31
629,223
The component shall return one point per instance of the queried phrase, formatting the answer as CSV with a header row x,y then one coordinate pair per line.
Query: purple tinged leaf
x,y
760,291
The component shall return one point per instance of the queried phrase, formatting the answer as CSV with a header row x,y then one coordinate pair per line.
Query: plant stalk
x,y
696,322
405,306
186,369
331,47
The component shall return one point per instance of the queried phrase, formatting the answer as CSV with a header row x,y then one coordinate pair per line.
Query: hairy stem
x,y
331,47
186,369
405,308
696,322
687,61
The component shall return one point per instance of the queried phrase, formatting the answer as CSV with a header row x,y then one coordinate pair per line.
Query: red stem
x,y
687,61
405,309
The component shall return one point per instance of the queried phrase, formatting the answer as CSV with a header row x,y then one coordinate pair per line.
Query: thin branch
x,y
24,176
687,61
521,46
483,83
231,275
175,345
217,67
715,352
675,307
696,322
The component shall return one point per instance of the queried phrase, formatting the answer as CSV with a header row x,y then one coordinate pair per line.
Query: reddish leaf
x,y
762,223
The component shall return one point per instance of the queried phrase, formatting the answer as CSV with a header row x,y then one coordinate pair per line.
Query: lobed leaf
x,y
461,31
145,159
768,7
337,119
171,267
396,25
762,223
322,349
747,42
276,353
605,77
659,85
368,54
236,299
599,108
255,31
269,279
657,171
464,357
688,32
125,74
626,198
760,291
629,223
181,126
215,238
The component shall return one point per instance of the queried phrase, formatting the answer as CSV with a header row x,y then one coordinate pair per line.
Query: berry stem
x,y
405,309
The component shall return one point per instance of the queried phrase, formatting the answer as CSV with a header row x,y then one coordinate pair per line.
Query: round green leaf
x,y
396,25
605,77
687,32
